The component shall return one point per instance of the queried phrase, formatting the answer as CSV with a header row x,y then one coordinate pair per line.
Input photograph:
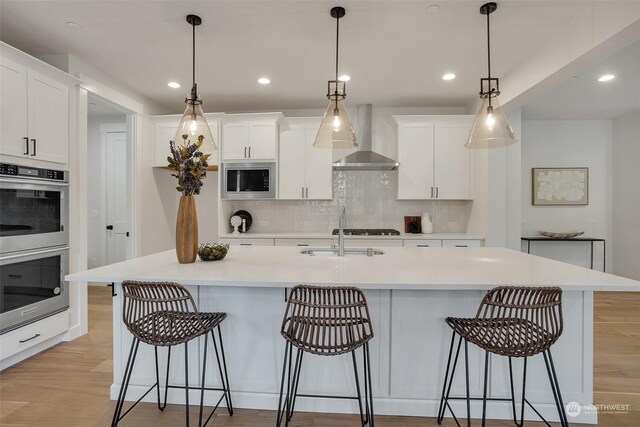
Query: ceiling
x,y
395,51
583,97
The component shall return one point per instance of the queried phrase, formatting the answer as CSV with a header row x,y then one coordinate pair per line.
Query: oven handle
x,y
42,183
31,253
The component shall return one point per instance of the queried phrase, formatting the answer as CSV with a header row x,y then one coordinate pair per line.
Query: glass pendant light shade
x,y
335,129
193,124
490,128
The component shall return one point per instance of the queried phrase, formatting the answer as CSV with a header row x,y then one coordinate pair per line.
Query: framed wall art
x,y
560,186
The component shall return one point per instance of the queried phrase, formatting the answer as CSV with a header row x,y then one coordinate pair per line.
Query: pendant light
x,y
335,130
193,123
490,128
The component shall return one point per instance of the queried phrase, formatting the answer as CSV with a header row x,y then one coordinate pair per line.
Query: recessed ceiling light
x,y
174,85
74,25
606,77
344,78
264,81
433,9
449,76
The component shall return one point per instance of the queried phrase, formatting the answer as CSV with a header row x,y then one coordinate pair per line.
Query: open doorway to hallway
x,y
109,198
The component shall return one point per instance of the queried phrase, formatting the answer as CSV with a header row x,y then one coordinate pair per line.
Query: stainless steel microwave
x,y
248,181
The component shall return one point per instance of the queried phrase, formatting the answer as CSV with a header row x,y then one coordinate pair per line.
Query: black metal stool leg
x,y
186,382
204,370
486,383
162,405
222,369
446,377
555,387
513,397
448,387
370,416
466,365
355,371
294,383
133,352
282,403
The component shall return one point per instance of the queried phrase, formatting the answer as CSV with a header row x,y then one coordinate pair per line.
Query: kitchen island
x,y
410,291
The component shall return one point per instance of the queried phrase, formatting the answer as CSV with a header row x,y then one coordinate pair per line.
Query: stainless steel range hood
x,y
364,158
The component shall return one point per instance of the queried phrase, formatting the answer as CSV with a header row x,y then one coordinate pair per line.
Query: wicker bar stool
x,y
165,315
326,321
513,322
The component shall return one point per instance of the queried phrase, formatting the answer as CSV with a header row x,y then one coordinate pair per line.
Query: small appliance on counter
x,y
412,224
427,223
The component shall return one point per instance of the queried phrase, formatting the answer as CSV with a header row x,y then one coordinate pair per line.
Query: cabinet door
x,y
423,243
291,164
162,134
240,241
48,118
319,169
453,161
263,141
236,141
13,109
461,243
415,154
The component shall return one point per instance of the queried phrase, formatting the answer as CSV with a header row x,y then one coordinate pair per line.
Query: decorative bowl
x,y
561,235
212,251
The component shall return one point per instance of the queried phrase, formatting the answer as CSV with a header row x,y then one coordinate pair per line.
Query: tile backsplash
x,y
370,200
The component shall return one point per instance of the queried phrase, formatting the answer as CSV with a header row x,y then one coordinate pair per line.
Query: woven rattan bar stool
x,y
326,321
165,315
513,322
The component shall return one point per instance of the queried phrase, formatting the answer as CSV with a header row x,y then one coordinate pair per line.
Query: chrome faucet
x,y
342,223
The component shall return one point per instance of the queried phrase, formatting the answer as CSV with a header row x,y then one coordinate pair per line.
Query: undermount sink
x,y
347,251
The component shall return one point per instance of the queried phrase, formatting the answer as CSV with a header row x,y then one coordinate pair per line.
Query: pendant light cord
x,y
194,94
337,50
488,47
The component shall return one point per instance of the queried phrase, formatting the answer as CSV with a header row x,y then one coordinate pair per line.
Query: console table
x,y
590,240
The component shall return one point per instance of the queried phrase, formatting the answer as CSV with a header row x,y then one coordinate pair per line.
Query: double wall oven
x,y
34,244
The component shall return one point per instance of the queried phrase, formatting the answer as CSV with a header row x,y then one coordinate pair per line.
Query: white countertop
x,y
303,235
397,269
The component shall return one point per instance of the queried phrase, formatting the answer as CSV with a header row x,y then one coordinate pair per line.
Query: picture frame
x,y
560,186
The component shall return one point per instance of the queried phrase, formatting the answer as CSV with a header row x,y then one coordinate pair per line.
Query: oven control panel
x,y
29,172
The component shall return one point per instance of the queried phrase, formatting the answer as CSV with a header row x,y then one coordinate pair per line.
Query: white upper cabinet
x,y
305,172
251,137
433,161
34,114
164,130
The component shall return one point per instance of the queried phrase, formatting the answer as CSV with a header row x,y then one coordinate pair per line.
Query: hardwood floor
x,y
67,386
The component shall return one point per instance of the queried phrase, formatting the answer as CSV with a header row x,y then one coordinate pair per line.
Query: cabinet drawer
x,y
304,242
423,243
248,242
34,333
461,243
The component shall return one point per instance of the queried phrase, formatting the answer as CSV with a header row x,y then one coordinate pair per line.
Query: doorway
x,y
109,198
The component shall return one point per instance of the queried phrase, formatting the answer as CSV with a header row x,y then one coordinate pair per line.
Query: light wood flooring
x,y
67,386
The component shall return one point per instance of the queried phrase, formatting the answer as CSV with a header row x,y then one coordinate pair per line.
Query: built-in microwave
x,y
248,181
34,208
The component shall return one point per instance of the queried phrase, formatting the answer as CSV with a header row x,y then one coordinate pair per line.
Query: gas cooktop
x,y
368,232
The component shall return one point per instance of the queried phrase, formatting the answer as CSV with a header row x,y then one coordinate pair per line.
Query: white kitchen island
x,y
409,290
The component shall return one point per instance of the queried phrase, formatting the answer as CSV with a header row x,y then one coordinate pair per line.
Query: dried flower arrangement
x,y
189,163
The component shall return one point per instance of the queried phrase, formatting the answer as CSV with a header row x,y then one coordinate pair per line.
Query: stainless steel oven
x,y
248,181
32,285
34,208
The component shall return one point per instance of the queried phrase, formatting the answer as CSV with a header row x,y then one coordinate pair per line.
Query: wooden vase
x,y
187,230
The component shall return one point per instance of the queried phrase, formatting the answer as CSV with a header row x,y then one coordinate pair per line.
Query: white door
x,y
48,119
236,138
118,227
452,165
13,109
319,169
262,141
415,154
291,172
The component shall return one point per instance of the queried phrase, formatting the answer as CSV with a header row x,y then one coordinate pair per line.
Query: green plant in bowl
x,y
212,251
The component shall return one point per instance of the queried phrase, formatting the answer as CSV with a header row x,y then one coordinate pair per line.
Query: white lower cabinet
x,y
423,243
13,342
247,242
461,243
316,243
371,243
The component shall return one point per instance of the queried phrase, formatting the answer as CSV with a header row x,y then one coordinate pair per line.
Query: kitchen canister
x,y
427,223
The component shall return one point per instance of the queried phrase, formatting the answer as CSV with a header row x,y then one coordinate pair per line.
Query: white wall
x,y
569,143
626,196
96,197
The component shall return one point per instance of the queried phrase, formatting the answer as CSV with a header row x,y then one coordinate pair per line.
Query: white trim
x,y
109,94
113,127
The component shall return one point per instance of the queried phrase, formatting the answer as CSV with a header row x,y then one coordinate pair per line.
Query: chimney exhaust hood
x,y
364,158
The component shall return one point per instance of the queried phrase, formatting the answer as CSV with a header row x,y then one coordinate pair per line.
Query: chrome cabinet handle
x,y
249,152
302,244
245,152
26,145
432,192
245,244
424,246
437,192
307,192
302,188
29,339
34,146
